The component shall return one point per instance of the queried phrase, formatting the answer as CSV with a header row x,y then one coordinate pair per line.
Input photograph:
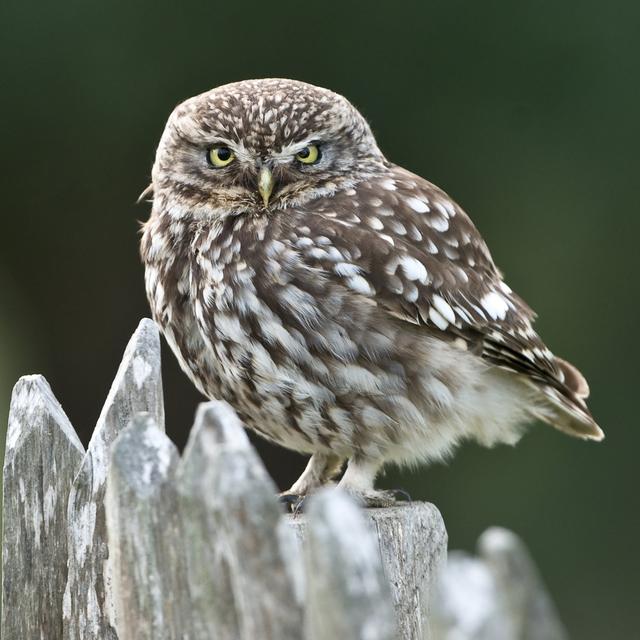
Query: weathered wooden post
x,y
348,595
88,609
231,512
412,547
42,456
143,526
497,595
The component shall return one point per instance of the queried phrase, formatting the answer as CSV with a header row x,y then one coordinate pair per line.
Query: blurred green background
x,y
527,113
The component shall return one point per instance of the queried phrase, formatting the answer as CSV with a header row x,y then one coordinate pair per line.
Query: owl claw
x,y
402,495
293,502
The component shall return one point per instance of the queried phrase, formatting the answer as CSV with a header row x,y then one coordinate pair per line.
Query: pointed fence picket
x,y
137,387
130,540
42,456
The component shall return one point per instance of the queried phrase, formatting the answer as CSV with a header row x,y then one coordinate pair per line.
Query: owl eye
x,y
220,156
309,155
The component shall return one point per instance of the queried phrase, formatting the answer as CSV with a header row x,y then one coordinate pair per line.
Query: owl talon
x,y
299,506
402,495
292,502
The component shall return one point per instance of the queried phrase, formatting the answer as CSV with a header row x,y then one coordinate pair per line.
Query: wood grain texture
x,y
412,540
348,595
411,544
42,456
145,542
230,510
137,387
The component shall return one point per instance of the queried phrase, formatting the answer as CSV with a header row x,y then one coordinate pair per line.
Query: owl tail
x,y
564,405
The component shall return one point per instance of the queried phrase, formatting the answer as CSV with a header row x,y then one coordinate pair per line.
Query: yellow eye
x,y
309,155
220,156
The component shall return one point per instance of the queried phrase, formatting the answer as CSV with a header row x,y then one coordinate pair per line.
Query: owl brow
x,y
294,147
213,141
188,134
196,137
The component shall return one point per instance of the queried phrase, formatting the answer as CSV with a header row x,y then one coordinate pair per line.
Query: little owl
x,y
345,307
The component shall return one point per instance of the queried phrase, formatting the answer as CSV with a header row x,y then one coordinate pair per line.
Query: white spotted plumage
x,y
357,313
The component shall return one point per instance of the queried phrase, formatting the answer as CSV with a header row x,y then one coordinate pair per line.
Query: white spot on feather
x,y
437,319
495,305
449,207
411,293
317,253
461,344
419,206
431,247
334,255
443,308
346,269
414,269
440,207
438,223
360,285
398,227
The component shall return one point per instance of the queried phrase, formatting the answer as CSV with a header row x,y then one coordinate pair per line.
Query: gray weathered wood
x,y
523,594
232,520
88,613
210,587
43,454
348,595
412,544
496,596
145,549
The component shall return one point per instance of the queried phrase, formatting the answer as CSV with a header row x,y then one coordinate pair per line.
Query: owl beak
x,y
265,184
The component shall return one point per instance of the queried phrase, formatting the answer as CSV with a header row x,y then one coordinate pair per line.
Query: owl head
x,y
260,146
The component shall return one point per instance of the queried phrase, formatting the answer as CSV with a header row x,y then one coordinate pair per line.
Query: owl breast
x,y
284,342
308,362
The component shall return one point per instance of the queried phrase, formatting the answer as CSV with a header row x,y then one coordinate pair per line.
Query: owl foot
x,y
292,502
374,498
358,481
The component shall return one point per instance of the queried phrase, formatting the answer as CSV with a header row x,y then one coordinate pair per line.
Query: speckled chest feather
x,y
299,318
270,313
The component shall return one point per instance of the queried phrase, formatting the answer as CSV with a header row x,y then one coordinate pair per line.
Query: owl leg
x,y
358,480
320,469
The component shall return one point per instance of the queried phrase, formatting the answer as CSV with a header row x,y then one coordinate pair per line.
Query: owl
x,y
345,307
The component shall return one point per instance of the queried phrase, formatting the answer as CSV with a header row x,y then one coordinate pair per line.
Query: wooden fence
x,y
131,540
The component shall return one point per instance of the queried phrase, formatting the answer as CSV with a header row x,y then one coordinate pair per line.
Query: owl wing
x,y
403,241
